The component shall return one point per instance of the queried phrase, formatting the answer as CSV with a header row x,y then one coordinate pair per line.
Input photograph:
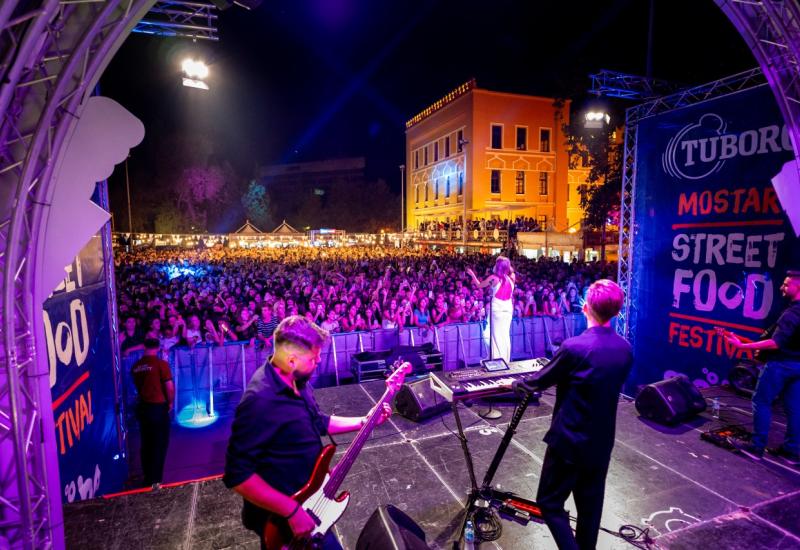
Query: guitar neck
x,y
343,467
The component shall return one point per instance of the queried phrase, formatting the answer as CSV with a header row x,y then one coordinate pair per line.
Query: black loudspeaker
x,y
670,401
744,376
417,401
423,358
390,527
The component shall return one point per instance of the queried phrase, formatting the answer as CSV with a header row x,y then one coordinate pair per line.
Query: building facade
x,y
490,155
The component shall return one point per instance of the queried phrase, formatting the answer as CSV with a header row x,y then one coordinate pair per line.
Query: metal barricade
x,y
209,377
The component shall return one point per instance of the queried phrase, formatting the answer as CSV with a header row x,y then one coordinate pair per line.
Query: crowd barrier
x,y
206,375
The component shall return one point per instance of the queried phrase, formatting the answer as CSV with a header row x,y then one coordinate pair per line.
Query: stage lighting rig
x,y
194,74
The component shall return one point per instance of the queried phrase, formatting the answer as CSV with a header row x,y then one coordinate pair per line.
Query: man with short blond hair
x,y
588,372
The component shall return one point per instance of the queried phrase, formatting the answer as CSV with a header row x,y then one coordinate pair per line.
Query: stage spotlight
x,y
194,74
595,119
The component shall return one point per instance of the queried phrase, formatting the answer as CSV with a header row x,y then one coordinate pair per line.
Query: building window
x,y
460,143
425,160
495,181
497,136
542,221
416,194
567,192
520,182
435,151
416,159
436,189
447,187
543,179
544,140
522,139
447,147
426,191
460,183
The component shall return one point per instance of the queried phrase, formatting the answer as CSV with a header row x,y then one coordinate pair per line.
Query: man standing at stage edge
x,y
780,348
588,372
276,434
153,381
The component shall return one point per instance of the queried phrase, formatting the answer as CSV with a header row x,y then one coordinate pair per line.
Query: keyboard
x,y
472,383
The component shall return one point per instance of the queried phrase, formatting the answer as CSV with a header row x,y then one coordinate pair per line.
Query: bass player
x,y
276,433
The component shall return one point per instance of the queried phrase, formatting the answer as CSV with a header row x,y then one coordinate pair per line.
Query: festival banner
x,y
80,354
712,242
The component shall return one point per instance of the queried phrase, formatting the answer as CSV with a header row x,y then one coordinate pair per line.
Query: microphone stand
x,y
491,413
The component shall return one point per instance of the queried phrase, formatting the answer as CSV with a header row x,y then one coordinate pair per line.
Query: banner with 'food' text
x,y
80,352
712,241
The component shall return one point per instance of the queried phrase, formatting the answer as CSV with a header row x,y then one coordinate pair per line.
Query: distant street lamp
x,y
194,74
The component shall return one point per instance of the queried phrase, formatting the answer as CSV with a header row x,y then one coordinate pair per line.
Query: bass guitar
x,y
318,496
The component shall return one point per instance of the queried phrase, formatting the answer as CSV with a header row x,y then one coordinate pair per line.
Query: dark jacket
x,y
588,372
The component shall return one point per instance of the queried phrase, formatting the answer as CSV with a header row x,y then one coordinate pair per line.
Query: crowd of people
x,y
519,224
188,297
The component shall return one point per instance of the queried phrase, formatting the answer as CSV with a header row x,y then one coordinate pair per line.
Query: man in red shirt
x,y
156,390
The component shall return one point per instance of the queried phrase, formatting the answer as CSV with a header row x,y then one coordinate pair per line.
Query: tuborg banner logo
x,y
701,148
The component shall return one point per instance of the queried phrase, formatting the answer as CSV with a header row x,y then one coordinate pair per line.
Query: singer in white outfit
x,y
502,281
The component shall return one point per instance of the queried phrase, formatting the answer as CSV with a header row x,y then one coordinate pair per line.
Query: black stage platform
x,y
690,493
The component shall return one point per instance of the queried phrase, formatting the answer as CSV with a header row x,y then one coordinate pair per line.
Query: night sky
x,y
297,80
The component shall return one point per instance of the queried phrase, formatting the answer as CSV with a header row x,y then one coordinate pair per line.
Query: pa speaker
x,y
670,401
744,376
390,527
417,401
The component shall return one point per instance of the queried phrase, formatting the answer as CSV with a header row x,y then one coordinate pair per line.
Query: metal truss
x,y
629,86
195,20
52,55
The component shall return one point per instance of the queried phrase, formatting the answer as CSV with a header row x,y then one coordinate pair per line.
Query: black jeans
x,y
587,484
154,427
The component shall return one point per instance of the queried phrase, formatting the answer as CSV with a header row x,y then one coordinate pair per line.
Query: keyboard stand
x,y
486,493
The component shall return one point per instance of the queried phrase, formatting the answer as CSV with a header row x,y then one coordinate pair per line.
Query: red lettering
x,y
753,201
771,201
721,201
705,202
686,205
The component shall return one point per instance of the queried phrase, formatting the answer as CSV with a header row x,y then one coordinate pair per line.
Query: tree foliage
x,y
600,151
256,205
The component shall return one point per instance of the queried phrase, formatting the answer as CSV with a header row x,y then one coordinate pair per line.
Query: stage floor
x,y
690,493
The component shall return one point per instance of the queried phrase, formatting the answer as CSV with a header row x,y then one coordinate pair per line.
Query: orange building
x,y
504,152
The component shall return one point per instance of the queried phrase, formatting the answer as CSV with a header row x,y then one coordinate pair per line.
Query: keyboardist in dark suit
x,y
588,372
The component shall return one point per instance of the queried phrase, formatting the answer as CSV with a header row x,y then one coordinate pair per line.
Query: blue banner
x,y
712,241
80,354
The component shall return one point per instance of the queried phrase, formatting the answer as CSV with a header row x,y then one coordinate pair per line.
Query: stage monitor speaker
x,y
670,401
744,376
417,401
415,355
390,527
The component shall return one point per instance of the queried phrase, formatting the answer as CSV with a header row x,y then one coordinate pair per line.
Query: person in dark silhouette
x,y
779,346
588,372
156,390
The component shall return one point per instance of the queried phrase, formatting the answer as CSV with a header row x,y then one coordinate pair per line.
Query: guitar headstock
x,y
399,371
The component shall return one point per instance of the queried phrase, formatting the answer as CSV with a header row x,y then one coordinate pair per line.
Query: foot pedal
x,y
719,436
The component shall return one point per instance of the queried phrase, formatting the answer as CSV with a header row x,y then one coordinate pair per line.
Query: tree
x,y
600,151
197,190
256,205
